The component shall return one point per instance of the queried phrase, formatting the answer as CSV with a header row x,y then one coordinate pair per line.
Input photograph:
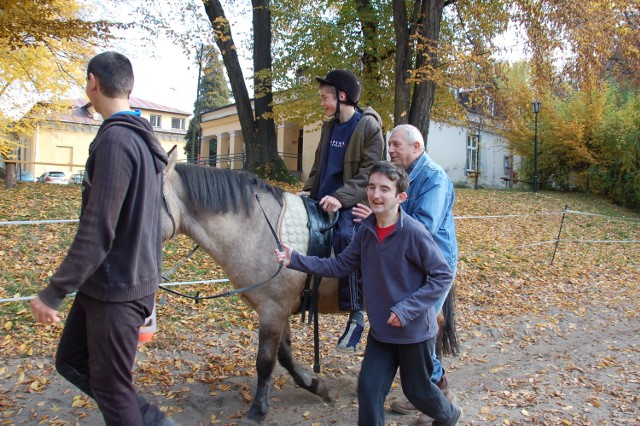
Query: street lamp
x,y
536,110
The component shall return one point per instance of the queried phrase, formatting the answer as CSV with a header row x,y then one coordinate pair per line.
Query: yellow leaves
x,y
246,395
81,401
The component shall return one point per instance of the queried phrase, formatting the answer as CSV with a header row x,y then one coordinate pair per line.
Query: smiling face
x,y
328,100
383,195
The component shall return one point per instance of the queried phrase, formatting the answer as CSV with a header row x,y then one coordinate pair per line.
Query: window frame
x,y
473,147
179,120
154,117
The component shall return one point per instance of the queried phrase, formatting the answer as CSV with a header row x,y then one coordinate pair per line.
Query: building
x,y
473,154
61,141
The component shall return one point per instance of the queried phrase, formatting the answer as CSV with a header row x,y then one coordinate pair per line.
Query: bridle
x,y
169,213
197,298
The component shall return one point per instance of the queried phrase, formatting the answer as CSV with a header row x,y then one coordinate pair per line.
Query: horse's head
x,y
170,202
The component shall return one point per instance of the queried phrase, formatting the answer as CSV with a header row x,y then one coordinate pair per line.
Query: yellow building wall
x,y
64,146
223,125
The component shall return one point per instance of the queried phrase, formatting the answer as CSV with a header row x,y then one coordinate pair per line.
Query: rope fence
x,y
555,241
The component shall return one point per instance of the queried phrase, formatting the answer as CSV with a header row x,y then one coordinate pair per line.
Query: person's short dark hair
x,y
394,172
114,72
344,81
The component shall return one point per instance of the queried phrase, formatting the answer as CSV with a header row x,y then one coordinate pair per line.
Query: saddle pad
x,y
293,225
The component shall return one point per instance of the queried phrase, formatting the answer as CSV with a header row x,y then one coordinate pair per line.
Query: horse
x,y
226,213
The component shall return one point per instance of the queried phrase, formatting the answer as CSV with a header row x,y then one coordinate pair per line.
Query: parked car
x,y
77,177
25,176
53,177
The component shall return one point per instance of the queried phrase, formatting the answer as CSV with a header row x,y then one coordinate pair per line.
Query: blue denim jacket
x,y
430,200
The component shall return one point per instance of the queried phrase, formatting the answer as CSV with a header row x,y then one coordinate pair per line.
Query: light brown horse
x,y
218,210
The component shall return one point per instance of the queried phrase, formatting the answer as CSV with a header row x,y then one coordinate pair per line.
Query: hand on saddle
x,y
285,255
330,204
360,211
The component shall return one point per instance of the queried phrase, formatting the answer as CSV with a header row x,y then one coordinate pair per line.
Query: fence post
x,y
564,213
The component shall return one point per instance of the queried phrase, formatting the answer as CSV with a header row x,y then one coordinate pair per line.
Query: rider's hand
x,y
330,204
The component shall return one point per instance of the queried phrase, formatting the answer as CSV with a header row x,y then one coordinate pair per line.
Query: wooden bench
x,y
507,180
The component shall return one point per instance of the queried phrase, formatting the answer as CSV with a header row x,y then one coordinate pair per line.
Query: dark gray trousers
x,y
379,367
96,354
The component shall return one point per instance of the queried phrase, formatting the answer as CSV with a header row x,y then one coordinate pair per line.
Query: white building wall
x,y
447,145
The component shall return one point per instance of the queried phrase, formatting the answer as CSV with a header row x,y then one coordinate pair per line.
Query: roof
x,y
142,104
81,111
135,103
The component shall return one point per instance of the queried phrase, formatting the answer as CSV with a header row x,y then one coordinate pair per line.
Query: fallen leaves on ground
x,y
513,306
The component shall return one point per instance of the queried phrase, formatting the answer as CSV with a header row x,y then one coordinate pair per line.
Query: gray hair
x,y
411,134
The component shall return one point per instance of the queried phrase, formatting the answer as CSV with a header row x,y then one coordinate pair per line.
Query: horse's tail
x,y
448,341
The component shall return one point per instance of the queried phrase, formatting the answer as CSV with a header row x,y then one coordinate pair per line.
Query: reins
x,y
197,298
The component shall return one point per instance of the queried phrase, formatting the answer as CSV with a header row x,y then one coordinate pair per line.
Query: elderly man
x,y
430,200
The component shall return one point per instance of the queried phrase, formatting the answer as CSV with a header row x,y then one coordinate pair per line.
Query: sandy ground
x,y
563,368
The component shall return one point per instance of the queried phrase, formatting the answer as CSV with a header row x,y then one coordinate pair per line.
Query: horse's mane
x,y
223,190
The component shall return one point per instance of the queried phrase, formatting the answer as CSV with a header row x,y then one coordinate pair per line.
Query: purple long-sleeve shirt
x,y
405,274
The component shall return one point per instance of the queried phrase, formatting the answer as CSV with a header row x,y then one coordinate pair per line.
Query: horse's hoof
x,y
322,390
247,422
252,418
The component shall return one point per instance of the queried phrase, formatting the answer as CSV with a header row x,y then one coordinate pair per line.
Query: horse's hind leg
x,y
301,377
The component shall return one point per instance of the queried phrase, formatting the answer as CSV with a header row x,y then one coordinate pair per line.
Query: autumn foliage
x,y
510,299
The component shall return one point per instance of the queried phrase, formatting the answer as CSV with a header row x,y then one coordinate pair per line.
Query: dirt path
x,y
558,369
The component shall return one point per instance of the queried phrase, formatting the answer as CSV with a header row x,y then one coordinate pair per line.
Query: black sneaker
x,y
350,339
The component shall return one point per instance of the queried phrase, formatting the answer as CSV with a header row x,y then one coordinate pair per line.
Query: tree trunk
x,y
372,53
424,91
265,150
425,23
225,43
9,175
403,63
259,133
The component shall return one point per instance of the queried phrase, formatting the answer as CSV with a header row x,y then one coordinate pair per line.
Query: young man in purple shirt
x,y
404,274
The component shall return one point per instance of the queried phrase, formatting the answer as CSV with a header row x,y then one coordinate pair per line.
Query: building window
x,y
473,140
155,120
508,165
177,123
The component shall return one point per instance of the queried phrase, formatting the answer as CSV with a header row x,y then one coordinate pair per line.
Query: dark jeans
x,y
379,367
96,354
349,287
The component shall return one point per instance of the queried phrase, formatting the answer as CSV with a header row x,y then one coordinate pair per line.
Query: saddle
x,y
319,223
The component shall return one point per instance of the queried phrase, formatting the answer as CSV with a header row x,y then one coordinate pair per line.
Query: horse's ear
x,y
173,157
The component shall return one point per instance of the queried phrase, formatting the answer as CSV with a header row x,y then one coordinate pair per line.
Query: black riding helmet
x,y
346,82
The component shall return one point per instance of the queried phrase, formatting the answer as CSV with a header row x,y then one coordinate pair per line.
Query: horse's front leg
x,y
268,342
301,377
